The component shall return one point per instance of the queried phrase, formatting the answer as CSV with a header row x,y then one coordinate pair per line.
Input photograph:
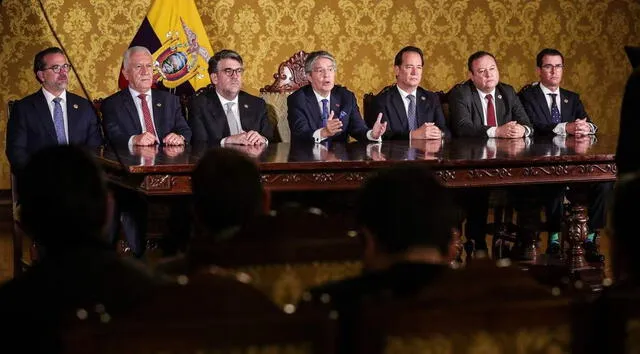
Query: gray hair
x,y
314,56
133,50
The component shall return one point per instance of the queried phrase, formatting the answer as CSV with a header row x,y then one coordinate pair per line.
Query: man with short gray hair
x,y
228,115
324,111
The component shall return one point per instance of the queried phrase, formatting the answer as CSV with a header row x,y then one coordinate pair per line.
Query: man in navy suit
x,y
323,111
484,107
51,115
228,115
139,116
410,111
556,111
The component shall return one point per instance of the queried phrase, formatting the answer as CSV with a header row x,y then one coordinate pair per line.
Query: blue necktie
x,y
58,121
411,112
325,112
555,112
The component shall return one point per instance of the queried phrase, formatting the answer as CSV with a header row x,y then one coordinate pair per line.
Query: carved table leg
x,y
577,233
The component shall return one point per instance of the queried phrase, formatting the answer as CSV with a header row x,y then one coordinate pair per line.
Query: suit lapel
x,y
42,108
335,105
500,107
246,113
130,106
158,115
398,105
565,107
73,118
220,115
542,102
477,104
314,108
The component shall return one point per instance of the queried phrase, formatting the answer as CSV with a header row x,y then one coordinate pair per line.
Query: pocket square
x,y
343,114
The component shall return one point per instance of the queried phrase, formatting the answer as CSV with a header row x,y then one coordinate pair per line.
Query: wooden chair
x,y
209,313
289,77
483,308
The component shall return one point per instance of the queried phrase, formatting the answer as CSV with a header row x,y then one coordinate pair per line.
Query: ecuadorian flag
x,y
174,34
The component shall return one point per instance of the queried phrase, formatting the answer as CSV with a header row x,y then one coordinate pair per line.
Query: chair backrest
x,y
207,313
478,307
289,77
368,106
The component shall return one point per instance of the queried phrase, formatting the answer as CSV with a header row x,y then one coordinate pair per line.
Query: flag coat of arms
x,y
174,34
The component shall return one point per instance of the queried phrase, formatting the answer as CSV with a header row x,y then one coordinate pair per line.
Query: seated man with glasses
x,y
556,111
50,116
228,115
324,111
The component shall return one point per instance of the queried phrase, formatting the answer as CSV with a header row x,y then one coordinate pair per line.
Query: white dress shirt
x,y
491,132
138,102
63,102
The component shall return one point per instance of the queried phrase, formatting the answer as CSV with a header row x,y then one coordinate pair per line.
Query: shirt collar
x,y
224,101
49,96
135,93
483,94
547,91
404,93
319,97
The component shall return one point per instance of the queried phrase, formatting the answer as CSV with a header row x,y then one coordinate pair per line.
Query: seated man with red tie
x,y
141,116
323,111
556,111
483,107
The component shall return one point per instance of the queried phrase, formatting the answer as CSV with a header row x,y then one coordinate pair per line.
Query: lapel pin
x,y
75,106
337,105
499,97
159,104
566,100
423,98
246,106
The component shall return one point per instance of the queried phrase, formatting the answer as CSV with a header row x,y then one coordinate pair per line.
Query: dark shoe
x,y
591,253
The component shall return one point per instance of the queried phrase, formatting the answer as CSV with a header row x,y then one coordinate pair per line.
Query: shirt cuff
x,y
594,129
527,131
130,143
223,141
317,137
491,132
560,129
370,136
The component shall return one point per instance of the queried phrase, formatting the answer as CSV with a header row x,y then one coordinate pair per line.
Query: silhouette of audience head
x,y
402,209
63,198
227,191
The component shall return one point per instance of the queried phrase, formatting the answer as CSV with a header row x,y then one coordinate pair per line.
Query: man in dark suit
x,y
50,116
410,111
484,107
556,111
228,115
65,209
406,238
141,116
324,111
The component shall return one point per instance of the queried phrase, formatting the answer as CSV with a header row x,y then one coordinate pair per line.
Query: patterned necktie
x,y
555,112
58,121
234,127
411,112
491,112
325,111
146,114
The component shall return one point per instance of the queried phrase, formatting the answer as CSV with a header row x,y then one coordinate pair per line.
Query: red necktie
x,y
148,123
491,112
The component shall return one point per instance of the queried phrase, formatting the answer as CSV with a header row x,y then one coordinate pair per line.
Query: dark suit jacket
x,y
535,104
467,114
30,127
628,149
120,117
208,120
389,103
305,117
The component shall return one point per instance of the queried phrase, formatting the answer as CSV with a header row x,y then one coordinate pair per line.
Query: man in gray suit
x,y
484,107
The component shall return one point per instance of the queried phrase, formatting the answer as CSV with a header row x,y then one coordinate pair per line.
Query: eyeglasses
x,y
548,67
56,68
229,72
324,70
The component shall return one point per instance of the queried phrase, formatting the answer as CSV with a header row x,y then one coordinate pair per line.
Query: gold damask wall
x,y
364,35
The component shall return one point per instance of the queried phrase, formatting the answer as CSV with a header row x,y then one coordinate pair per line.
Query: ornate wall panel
x,y
364,35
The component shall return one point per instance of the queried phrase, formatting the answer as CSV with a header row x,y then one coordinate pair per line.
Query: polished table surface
x,y
159,170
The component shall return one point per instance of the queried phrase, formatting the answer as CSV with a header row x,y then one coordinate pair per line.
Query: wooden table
x,y
459,163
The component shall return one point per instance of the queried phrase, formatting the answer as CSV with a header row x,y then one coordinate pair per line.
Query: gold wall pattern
x,y
364,35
